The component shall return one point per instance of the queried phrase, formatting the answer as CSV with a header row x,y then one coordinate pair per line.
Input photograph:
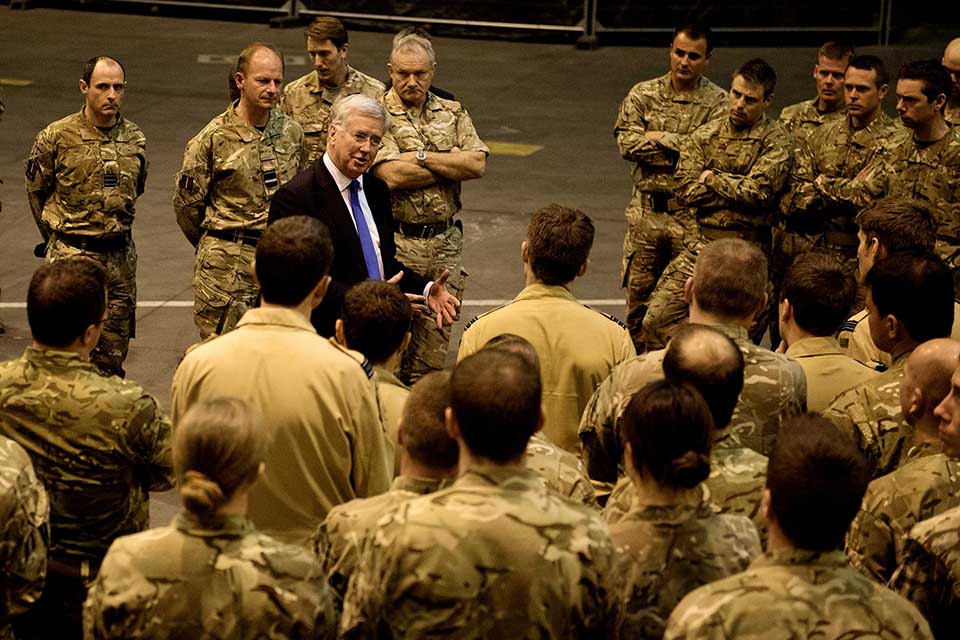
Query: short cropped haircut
x,y
243,60
376,316
933,75
327,28
64,298
411,30
758,71
696,31
515,344
712,363
917,289
900,224
292,257
558,243
871,63
834,50
495,396
357,103
817,478
413,43
820,291
86,71
218,446
730,278
423,431
669,429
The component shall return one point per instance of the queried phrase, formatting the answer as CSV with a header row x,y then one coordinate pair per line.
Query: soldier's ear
x,y
450,421
688,291
583,268
405,342
83,87
524,251
765,504
882,91
338,332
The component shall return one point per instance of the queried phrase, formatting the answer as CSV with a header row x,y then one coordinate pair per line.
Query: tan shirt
x,y
391,396
329,446
829,372
578,348
855,338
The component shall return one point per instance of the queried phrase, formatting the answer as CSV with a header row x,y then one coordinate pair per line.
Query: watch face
x,y
421,154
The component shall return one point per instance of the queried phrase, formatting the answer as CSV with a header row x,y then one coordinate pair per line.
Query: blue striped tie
x,y
366,241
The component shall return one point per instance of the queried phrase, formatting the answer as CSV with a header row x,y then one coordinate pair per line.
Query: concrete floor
x,y
550,95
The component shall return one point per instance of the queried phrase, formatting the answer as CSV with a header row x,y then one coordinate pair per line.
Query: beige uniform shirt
x,y
310,104
578,348
328,444
856,340
829,372
391,396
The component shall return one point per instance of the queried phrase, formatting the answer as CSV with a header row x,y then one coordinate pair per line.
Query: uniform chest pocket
x,y
79,168
736,155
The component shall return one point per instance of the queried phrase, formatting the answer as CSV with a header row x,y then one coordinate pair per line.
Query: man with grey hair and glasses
x,y
355,207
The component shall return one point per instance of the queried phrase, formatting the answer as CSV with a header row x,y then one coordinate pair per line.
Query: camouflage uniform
x,y
870,414
794,595
737,478
425,242
951,113
929,173
82,184
391,397
854,337
99,445
916,491
210,579
656,221
310,104
341,536
230,171
750,166
774,389
24,534
663,552
562,470
495,555
814,216
929,571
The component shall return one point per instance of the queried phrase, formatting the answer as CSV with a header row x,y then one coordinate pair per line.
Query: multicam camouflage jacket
x,y
495,555
663,552
24,534
85,181
893,503
214,579
310,104
98,444
441,125
231,170
793,594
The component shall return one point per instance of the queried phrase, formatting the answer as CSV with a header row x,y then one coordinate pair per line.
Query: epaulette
x,y
607,316
849,325
356,356
475,318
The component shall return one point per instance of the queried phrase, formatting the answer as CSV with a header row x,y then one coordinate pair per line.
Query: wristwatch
x,y
422,157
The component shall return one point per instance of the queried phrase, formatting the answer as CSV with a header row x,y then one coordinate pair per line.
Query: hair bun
x,y
199,493
688,470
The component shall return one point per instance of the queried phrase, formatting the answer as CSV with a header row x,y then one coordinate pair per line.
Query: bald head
x,y
711,362
951,60
926,380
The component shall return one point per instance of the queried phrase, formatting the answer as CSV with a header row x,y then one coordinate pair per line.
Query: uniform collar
x,y
541,291
395,105
213,526
275,316
690,504
801,557
382,376
420,486
735,332
509,477
57,358
89,131
248,132
814,346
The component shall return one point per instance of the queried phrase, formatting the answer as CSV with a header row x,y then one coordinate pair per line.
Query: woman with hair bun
x,y
210,574
672,540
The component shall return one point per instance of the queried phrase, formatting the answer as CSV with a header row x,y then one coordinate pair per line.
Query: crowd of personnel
x,y
570,476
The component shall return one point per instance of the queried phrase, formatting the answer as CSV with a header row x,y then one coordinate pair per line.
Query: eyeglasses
x,y
363,138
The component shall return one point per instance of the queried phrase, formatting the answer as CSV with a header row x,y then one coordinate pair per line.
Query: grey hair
x,y
413,42
360,104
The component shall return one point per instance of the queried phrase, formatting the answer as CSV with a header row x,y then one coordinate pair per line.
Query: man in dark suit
x,y
355,206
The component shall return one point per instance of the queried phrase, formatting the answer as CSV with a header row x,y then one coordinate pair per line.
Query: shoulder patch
x,y
607,316
486,313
